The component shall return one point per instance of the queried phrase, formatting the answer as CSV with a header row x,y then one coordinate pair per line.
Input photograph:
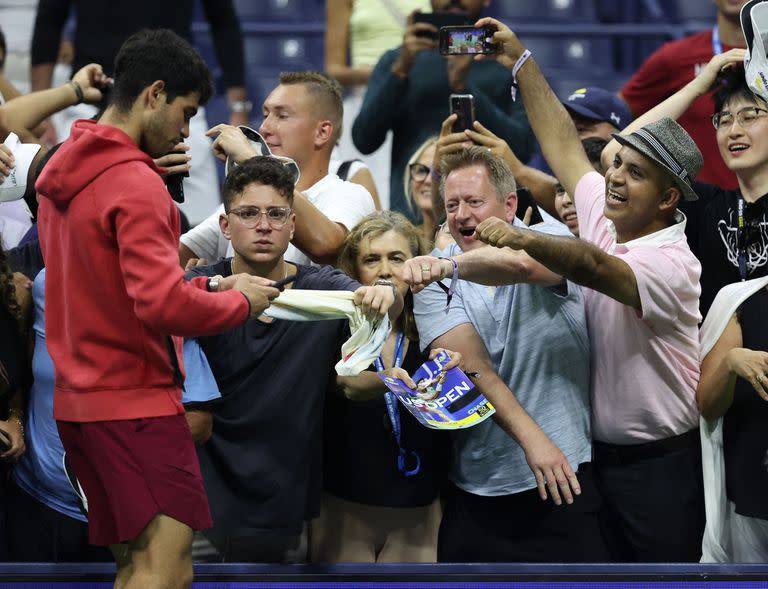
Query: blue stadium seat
x,y
695,10
281,10
572,53
286,52
512,11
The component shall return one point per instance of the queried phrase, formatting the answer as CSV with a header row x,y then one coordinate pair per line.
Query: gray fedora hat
x,y
668,145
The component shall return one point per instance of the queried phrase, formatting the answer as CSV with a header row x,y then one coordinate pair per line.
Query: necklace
x,y
285,268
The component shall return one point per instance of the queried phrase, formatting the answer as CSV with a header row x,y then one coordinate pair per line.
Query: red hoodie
x,y
114,289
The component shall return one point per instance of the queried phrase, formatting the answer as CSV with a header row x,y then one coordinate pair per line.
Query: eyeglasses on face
x,y
419,172
745,117
250,217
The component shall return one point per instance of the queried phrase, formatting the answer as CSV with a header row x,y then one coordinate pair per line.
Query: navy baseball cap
x,y
599,105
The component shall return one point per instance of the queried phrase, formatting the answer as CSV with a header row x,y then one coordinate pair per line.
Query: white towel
x,y
716,545
368,336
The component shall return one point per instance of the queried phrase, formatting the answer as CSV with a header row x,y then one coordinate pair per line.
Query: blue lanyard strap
x,y
394,414
717,46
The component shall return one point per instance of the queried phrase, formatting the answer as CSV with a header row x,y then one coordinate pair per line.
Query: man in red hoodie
x,y
116,295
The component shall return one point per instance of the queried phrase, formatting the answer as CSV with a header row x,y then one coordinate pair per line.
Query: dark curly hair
x,y
263,170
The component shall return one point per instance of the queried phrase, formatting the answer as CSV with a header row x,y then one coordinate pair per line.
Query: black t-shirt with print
x,y
262,466
713,235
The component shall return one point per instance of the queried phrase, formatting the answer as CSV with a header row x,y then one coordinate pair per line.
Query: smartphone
x,y
175,183
466,40
440,19
463,105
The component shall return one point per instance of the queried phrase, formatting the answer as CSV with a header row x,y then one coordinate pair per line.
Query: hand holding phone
x,y
463,106
467,40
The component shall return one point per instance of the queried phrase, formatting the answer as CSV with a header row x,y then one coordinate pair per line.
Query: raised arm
x,y
674,106
548,118
316,235
29,110
50,19
228,42
337,14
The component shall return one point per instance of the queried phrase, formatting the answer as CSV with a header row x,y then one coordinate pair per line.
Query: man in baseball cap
x,y
597,112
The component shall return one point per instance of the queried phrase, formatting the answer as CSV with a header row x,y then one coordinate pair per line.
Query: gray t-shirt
x,y
537,341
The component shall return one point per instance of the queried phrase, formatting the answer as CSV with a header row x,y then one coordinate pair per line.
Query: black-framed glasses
x,y
250,217
419,172
745,117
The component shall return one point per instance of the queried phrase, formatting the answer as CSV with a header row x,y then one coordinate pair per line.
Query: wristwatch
x,y
212,284
245,106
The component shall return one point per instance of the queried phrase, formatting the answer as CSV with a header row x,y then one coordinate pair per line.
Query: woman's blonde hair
x,y
376,225
409,200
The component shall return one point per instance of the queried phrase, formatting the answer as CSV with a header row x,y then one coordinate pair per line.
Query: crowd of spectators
x,y
188,373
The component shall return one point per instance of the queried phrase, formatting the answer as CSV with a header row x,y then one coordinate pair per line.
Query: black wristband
x,y
78,91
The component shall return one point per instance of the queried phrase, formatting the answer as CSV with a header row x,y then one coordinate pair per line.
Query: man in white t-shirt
x,y
302,120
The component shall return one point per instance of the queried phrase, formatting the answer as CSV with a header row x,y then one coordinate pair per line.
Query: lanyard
x,y
741,240
717,46
394,415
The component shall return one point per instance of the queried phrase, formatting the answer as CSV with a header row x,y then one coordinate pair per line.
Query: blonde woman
x,y
377,506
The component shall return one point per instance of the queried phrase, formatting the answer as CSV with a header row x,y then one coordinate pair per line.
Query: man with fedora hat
x,y
642,302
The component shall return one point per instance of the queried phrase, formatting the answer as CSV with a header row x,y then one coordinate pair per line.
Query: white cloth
x,y
725,530
368,336
341,201
201,189
15,221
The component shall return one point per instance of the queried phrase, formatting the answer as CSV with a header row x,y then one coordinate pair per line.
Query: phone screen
x,y
466,41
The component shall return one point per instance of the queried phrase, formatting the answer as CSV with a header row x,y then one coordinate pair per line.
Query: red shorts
x,y
134,469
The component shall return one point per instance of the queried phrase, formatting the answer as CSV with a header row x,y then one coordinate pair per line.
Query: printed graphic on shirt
x,y
756,236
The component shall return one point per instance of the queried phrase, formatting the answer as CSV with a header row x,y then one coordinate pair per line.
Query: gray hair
x,y
499,173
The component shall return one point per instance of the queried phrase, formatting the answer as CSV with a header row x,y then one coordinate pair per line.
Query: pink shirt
x,y
645,365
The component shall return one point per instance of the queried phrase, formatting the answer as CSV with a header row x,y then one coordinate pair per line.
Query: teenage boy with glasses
x,y
261,463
